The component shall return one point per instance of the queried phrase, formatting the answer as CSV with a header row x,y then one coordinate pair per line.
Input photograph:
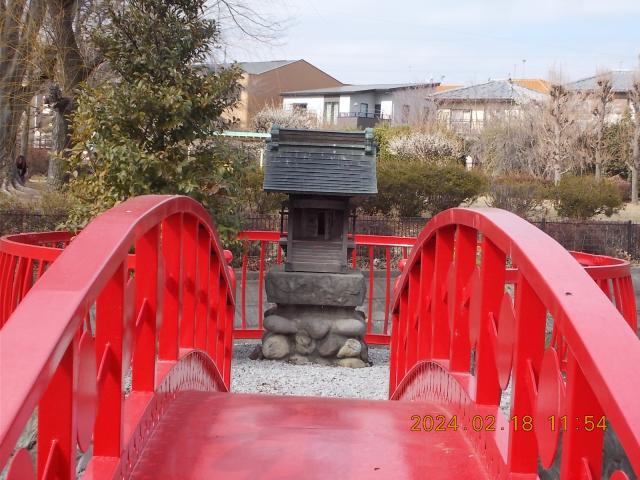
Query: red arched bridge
x,y
510,358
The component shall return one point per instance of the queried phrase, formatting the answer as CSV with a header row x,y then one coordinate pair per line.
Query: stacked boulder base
x,y
315,318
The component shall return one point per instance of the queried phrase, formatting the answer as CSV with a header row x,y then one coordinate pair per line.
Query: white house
x,y
363,105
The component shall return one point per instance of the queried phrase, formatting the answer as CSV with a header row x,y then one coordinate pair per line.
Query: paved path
x,y
233,436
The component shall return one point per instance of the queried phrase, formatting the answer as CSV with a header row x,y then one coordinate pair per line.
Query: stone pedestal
x,y
315,318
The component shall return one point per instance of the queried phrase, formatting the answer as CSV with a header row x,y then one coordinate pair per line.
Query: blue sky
x,y
465,41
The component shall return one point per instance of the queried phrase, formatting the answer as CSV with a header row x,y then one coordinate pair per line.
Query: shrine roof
x,y
320,162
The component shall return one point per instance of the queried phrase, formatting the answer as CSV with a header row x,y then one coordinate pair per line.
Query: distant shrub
x,y
293,118
450,185
522,195
584,197
623,186
424,145
412,187
254,199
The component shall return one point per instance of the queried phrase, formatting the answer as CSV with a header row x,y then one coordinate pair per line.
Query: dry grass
x,y
629,212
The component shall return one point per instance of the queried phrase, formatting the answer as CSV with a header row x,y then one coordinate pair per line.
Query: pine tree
x,y
151,127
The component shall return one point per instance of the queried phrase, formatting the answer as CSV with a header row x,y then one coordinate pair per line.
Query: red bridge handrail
x,y
450,302
47,346
270,239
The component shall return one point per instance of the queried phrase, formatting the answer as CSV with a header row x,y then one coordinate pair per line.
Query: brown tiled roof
x,y
444,88
537,84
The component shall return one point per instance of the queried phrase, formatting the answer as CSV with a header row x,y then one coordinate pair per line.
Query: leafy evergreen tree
x,y
151,127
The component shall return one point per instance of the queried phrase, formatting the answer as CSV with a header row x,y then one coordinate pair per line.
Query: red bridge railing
x,y
24,257
472,335
90,324
366,254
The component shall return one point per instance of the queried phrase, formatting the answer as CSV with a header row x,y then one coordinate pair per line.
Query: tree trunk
x,y
634,184
25,133
72,71
10,118
635,163
60,139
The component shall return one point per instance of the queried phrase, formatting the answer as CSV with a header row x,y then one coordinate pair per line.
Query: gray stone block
x,y
305,288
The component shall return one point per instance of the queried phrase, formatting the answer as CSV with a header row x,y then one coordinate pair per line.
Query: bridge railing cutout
x,y
489,309
104,340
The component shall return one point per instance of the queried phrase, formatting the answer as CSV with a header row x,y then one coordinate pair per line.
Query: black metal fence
x,y
18,222
618,239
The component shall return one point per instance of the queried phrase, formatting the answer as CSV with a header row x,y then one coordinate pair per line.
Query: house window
x,y
331,112
460,119
299,106
378,110
364,109
406,110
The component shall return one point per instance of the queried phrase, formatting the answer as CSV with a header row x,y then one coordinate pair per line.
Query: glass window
x,y
406,110
331,112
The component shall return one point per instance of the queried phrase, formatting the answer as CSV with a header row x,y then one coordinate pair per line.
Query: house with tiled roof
x,y
466,109
621,84
263,82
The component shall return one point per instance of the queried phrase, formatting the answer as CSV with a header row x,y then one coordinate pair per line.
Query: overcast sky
x,y
458,41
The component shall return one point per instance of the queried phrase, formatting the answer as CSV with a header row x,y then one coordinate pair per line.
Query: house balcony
x,y
361,120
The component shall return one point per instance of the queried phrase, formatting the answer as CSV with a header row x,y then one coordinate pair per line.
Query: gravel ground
x,y
281,378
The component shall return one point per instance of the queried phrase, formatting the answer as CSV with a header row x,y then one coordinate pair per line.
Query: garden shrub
x,y
412,187
584,197
522,195
424,145
290,118
623,186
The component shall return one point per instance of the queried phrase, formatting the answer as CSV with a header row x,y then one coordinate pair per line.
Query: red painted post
x,y
466,245
263,251
425,327
439,314
402,336
28,279
528,349
492,279
202,288
189,254
172,252
108,430
371,290
214,305
394,353
144,360
413,317
387,289
581,444
243,286
228,342
57,421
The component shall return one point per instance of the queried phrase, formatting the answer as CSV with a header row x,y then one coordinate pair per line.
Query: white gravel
x,y
281,378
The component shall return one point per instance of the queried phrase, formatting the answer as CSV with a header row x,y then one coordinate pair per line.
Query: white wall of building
x,y
315,105
345,103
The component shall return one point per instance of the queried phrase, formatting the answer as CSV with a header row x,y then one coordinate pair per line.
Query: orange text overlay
x,y
487,423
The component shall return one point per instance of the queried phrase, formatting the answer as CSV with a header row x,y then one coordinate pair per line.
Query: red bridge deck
x,y
268,437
